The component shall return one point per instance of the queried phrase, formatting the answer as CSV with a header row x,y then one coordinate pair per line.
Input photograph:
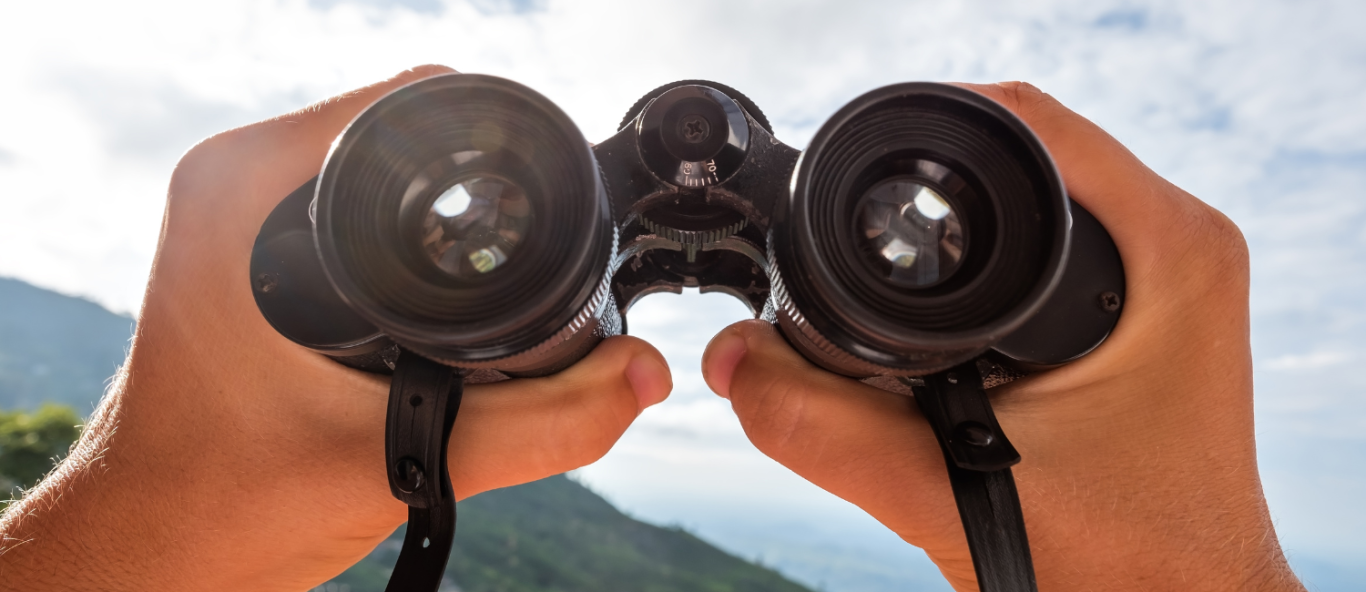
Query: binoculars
x,y
466,219
463,230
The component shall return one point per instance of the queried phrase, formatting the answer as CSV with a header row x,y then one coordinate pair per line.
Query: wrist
x,y
151,501
49,537
1192,542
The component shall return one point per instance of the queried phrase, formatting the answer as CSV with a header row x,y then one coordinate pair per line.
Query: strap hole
x,y
426,543
415,401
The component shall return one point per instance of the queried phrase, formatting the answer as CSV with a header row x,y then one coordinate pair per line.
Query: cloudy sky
x,y
1253,105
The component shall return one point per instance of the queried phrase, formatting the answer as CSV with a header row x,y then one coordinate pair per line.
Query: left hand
x,y
227,456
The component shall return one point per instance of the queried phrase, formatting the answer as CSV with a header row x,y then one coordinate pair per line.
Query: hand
x,y
1139,465
226,455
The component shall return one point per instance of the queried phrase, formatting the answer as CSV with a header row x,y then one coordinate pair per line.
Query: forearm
x,y
76,530
1145,479
1202,539
140,504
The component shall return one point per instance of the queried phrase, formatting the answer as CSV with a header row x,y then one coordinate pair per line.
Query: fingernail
x,y
723,355
650,379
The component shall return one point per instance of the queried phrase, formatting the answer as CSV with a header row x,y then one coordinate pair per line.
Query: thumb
x,y
863,444
526,429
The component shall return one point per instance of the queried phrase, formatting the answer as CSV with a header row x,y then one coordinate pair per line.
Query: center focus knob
x,y
693,136
694,129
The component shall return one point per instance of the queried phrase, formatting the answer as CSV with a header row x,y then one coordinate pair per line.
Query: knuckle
x,y
1219,238
213,163
1206,251
1026,99
423,71
202,155
598,411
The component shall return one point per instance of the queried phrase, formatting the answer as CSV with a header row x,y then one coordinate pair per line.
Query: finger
x,y
522,430
1176,250
863,444
276,155
1139,208
223,189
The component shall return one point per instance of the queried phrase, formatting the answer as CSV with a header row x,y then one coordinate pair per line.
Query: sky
x,y
1255,106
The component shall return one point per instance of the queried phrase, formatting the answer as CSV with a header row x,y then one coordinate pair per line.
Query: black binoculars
x,y
463,230
465,218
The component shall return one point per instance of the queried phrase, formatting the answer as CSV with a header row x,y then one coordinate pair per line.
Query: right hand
x,y
1139,463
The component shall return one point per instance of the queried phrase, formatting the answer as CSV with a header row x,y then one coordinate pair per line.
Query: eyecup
x,y
1017,230
387,169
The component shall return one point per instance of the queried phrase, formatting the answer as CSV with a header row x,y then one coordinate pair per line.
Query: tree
x,y
32,443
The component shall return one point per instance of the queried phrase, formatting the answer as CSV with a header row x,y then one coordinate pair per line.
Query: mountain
x,y
56,348
553,535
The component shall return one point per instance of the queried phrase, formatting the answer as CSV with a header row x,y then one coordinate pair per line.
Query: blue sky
x,y
1254,106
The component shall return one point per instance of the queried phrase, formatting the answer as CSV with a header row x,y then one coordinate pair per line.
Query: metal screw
x,y
267,282
952,378
408,475
694,128
1109,301
974,434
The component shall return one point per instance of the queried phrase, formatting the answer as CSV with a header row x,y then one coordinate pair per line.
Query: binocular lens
x,y
925,224
463,215
474,227
909,232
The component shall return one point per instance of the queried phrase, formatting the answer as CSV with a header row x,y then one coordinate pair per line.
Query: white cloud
x,y
1310,361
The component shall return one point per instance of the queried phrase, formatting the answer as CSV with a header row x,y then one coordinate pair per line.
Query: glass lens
x,y
474,227
909,232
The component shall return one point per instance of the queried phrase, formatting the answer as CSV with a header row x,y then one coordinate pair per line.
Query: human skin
x,y
226,456
1139,466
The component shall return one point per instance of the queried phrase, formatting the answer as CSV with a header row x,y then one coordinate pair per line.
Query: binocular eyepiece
x,y
465,218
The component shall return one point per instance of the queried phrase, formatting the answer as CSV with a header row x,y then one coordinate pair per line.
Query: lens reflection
x,y
910,233
474,226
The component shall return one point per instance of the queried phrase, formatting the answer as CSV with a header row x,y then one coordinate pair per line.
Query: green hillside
x,y
29,442
553,535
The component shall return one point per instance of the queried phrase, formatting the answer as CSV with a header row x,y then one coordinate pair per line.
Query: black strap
x,y
979,458
423,400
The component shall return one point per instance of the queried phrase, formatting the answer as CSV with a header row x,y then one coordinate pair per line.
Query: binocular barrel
x,y
465,218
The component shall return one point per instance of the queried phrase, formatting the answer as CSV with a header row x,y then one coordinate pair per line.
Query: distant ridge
x,y
56,348
555,535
